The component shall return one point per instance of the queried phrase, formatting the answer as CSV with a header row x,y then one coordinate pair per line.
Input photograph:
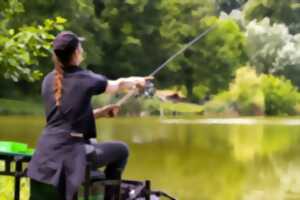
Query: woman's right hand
x,y
134,82
126,84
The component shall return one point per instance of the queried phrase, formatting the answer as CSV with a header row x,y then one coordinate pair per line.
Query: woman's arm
x,y
106,111
124,84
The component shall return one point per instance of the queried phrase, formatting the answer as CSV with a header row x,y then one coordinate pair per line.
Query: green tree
x,y
21,47
273,50
286,11
130,37
212,61
133,37
229,5
122,36
81,17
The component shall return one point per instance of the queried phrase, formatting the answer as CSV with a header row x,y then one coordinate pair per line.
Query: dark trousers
x,y
113,155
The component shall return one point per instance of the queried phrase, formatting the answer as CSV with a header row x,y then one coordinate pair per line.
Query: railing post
x,y
7,166
87,183
148,190
18,173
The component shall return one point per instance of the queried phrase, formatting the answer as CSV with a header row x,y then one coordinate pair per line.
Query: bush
x,y
151,106
134,107
243,98
251,94
281,97
246,93
144,106
199,91
221,104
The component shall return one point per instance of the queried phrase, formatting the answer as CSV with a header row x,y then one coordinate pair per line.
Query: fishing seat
x,y
89,191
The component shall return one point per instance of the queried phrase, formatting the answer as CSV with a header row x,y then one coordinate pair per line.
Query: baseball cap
x,y
66,41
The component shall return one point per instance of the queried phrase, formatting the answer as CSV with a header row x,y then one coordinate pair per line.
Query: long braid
x,y
62,58
58,81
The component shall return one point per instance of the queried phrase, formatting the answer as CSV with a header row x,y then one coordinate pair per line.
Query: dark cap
x,y
66,41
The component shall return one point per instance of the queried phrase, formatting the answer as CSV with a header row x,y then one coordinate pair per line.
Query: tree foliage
x,y
122,37
130,37
254,94
212,61
244,96
286,11
281,97
272,49
133,37
22,46
229,5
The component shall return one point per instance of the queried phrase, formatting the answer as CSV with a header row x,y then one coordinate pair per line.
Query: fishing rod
x,y
164,64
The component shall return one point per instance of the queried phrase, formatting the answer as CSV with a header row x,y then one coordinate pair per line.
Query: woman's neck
x,y
75,63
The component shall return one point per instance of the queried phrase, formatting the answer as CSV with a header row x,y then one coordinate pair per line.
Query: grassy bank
x,y
17,107
182,107
149,106
153,107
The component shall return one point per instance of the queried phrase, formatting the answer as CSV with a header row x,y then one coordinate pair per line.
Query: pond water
x,y
199,159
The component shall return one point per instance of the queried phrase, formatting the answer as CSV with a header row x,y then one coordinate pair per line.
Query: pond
x,y
198,159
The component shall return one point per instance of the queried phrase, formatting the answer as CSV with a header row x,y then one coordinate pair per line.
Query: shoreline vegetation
x,y
152,108
249,94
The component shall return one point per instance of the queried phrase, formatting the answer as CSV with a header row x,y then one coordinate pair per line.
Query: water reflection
x,y
255,159
235,121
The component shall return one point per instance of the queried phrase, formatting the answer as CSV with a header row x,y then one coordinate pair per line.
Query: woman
x,y
68,140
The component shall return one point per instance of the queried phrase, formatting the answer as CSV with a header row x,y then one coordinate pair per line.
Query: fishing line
x,y
191,43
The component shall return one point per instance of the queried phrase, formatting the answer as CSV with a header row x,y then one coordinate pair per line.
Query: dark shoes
x,y
112,192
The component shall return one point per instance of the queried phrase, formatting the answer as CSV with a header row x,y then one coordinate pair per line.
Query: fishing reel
x,y
148,91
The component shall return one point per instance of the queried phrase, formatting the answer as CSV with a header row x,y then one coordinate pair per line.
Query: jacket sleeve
x,y
98,83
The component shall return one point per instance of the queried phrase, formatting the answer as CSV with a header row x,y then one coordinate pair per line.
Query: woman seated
x,y
68,140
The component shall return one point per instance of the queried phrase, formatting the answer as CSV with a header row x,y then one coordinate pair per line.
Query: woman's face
x,y
78,56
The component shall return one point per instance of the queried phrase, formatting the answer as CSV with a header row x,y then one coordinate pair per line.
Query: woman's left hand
x,y
107,111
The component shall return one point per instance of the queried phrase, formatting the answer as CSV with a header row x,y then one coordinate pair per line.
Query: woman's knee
x,y
114,149
124,149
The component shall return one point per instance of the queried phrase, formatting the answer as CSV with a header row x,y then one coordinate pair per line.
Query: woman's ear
x,y
78,57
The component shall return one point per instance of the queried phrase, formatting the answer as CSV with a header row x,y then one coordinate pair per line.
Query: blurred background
x,y
223,123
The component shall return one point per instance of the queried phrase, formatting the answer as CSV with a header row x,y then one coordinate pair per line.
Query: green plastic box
x,y
15,148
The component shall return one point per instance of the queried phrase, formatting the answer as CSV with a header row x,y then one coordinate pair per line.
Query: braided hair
x,y
61,59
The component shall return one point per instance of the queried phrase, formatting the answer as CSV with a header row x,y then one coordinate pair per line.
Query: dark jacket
x,y
60,158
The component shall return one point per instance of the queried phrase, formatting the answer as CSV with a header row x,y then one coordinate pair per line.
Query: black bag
x,y
139,190
135,190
